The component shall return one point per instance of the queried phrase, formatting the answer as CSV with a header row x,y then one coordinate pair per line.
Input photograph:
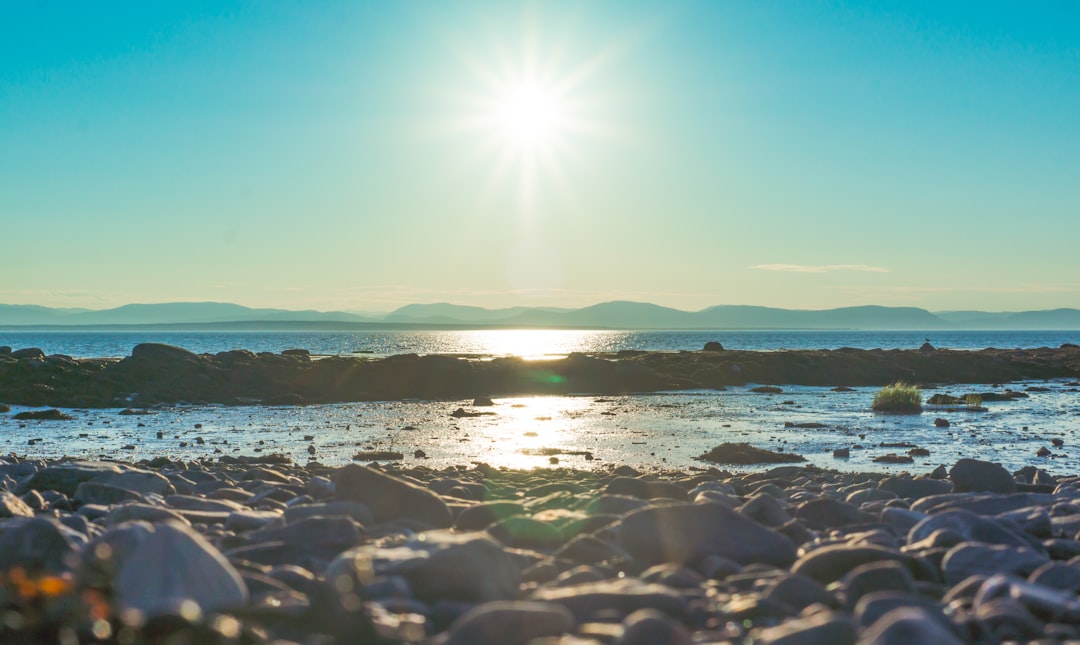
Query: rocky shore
x,y
253,550
155,374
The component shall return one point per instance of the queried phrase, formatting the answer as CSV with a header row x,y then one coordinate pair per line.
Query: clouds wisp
x,y
819,268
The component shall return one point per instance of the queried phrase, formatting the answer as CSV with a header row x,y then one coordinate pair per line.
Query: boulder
x,y
12,506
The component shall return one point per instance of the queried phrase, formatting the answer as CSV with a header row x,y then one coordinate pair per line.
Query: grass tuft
x,y
898,398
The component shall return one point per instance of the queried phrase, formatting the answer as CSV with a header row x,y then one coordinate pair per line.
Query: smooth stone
x,y
355,510
901,519
982,503
651,627
526,533
242,521
874,577
685,533
508,622
908,488
614,504
765,509
974,475
143,512
829,563
480,516
339,532
970,559
644,488
139,481
673,575
969,526
172,564
816,629
93,492
799,592
907,625
827,513
1057,575
622,596
37,544
468,567
12,506
390,497
66,477
193,503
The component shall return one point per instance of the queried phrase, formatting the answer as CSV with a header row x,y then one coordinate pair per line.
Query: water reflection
x,y
532,344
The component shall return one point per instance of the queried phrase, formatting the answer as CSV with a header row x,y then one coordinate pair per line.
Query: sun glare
x,y
529,113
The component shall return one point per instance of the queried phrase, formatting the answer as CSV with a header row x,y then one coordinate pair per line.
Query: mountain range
x,y
608,315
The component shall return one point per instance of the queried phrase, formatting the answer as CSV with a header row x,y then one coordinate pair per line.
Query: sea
x,y
663,430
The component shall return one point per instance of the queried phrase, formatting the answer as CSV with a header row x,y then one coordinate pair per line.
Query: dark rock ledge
x,y
260,550
164,374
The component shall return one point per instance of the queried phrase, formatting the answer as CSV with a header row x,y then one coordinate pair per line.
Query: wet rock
x,y
508,622
713,346
389,497
434,563
692,532
842,453
172,564
43,415
978,476
744,453
941,423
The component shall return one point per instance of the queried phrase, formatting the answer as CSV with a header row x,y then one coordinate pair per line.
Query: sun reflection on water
x,y
533,344
526,426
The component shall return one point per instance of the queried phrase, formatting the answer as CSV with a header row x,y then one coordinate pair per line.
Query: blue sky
x,y
348,155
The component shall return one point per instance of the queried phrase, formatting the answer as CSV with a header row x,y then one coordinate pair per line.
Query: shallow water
x,y
518,342
649,430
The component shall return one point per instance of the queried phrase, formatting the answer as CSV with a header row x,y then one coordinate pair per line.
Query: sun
x,y
529,113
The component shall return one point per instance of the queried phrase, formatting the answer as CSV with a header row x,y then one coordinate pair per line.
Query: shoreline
x,y
262,549
161,374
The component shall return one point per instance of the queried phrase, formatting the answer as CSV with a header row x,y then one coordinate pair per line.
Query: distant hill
x,y
605,315
162,313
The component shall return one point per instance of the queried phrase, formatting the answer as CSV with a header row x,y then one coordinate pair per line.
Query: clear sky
x,y
362,155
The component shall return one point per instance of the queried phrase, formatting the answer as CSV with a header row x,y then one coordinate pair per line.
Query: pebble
x,y
311,553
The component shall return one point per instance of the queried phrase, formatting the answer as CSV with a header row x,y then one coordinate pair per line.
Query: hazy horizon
x,y
364,156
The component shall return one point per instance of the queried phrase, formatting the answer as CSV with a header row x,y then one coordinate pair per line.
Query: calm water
x,y
662,429
521,342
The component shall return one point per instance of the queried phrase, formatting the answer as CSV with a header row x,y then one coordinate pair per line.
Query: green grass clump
x,y
898,398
